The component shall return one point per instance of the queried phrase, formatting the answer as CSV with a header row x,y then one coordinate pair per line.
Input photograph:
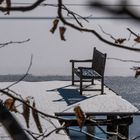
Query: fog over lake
x,y
51,55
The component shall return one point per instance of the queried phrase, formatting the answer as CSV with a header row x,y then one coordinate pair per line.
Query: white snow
x,y
58,96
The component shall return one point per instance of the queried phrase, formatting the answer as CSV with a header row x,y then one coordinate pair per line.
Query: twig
x,y
31,134
54,130
74,15
117,40
107,33
137,39
135,138
123,60
34,135
9,90
27,72
13,42
49,120
132,32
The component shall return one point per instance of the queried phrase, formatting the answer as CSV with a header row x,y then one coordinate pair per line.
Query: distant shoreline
x,y
33,78
39,78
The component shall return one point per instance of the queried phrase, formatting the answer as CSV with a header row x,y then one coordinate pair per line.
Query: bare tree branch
x,y
22,8
60,15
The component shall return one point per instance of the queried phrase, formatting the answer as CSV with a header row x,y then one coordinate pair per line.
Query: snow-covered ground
x,y
60,96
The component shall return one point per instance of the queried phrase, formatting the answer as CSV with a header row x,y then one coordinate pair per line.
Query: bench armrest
x,y
88,60
85,68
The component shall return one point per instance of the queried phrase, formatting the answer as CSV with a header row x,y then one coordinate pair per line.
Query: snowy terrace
x,y
60,97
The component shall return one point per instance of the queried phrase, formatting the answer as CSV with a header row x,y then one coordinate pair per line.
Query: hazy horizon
x,y
51,55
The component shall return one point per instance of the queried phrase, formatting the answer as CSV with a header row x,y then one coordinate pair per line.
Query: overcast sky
x,y
51,55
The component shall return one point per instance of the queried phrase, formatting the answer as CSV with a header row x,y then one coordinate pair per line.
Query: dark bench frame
x,y
96,71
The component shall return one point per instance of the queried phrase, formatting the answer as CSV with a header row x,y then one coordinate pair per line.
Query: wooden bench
x,y
96,71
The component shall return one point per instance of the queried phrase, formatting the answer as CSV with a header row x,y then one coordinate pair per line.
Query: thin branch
x,y
137,39
13,42
36,136
54,130
9,90
117,40
43,135
132,32
135,138
69,12
74,15
27,72
49,120
107,33
31,134
123,60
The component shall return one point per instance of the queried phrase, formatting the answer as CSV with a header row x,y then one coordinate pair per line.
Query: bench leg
x,y
73,78
72,73
81,85
92,81
102,86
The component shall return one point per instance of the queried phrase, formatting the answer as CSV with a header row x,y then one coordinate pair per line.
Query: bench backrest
x,y
99,60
